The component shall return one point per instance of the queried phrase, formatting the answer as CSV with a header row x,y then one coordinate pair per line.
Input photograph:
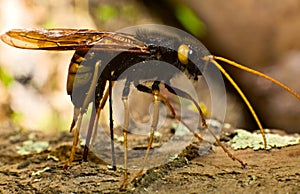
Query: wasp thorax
x,y
183,53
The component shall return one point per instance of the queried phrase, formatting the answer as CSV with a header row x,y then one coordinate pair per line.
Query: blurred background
x,y
263,35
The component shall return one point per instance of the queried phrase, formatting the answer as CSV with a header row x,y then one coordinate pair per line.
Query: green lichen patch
x,y
244,139
29,147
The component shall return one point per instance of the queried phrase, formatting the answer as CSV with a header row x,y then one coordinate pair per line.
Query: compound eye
x,y
183,53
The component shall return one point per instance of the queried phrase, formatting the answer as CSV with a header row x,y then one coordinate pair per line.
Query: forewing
x,y
72,39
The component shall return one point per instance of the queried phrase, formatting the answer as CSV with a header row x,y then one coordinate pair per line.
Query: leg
x,y
183,94
145,89
89,134
125,130
77,123
93,123
155,92
100,107
111,126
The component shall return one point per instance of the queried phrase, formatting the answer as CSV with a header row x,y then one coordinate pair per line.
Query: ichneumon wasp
x,y
102,57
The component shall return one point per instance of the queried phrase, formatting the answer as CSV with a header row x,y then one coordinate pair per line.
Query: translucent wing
x,y
72,39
